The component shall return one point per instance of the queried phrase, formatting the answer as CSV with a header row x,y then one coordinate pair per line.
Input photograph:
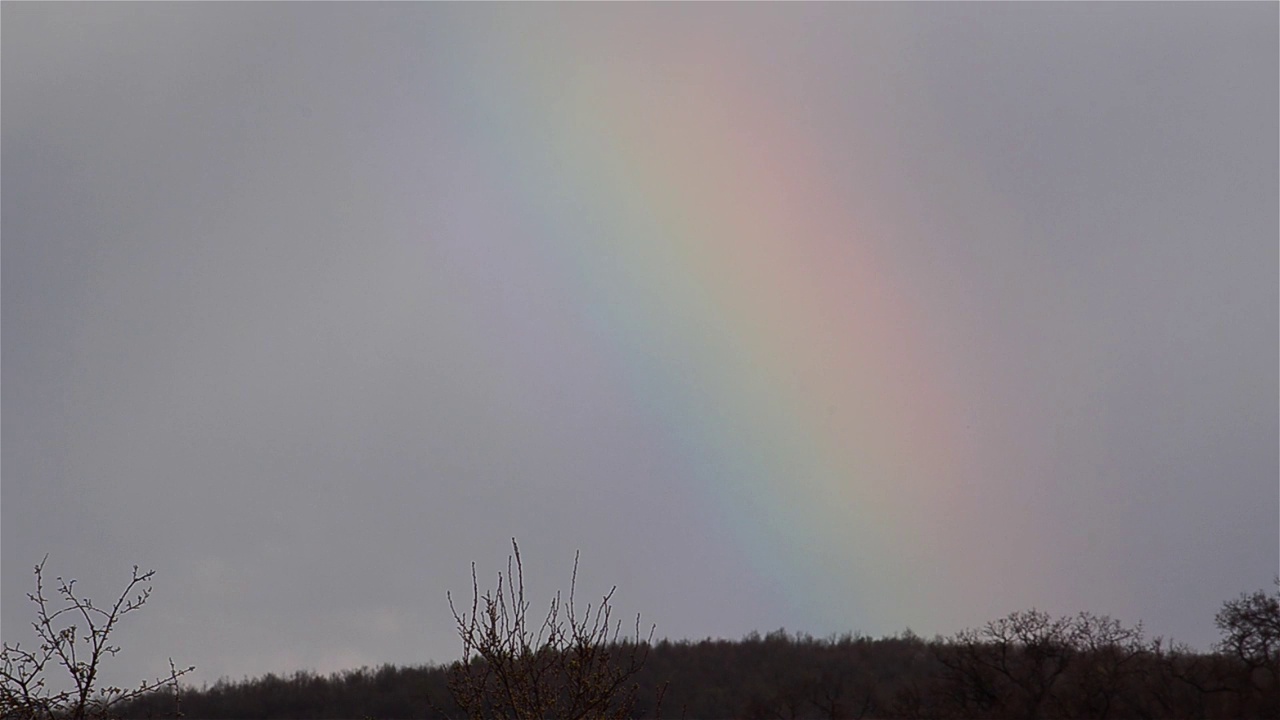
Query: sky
x,y
824,317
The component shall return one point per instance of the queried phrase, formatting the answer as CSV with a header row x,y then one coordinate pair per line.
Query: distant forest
x,y
1026,665
574,664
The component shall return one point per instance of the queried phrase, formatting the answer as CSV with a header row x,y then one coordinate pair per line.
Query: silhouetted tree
x,y
1250,627
1109,659
569,665
1010,663
74,636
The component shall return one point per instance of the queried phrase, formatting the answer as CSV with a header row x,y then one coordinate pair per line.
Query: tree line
x,y
1025,665
574,663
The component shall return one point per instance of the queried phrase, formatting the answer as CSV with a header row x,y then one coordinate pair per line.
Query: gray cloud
x,y
252,280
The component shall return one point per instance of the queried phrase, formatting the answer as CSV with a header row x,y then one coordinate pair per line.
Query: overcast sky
x,y
838,317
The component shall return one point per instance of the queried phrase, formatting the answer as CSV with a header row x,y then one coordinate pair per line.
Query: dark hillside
x,y
1027,665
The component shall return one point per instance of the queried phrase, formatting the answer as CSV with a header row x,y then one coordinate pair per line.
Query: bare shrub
x,y
74,637
569,665
1250,626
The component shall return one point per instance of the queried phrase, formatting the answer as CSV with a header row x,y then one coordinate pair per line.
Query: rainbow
x,y
741,297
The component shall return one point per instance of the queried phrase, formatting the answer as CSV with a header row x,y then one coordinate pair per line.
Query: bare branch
x,y
571,666
75,636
